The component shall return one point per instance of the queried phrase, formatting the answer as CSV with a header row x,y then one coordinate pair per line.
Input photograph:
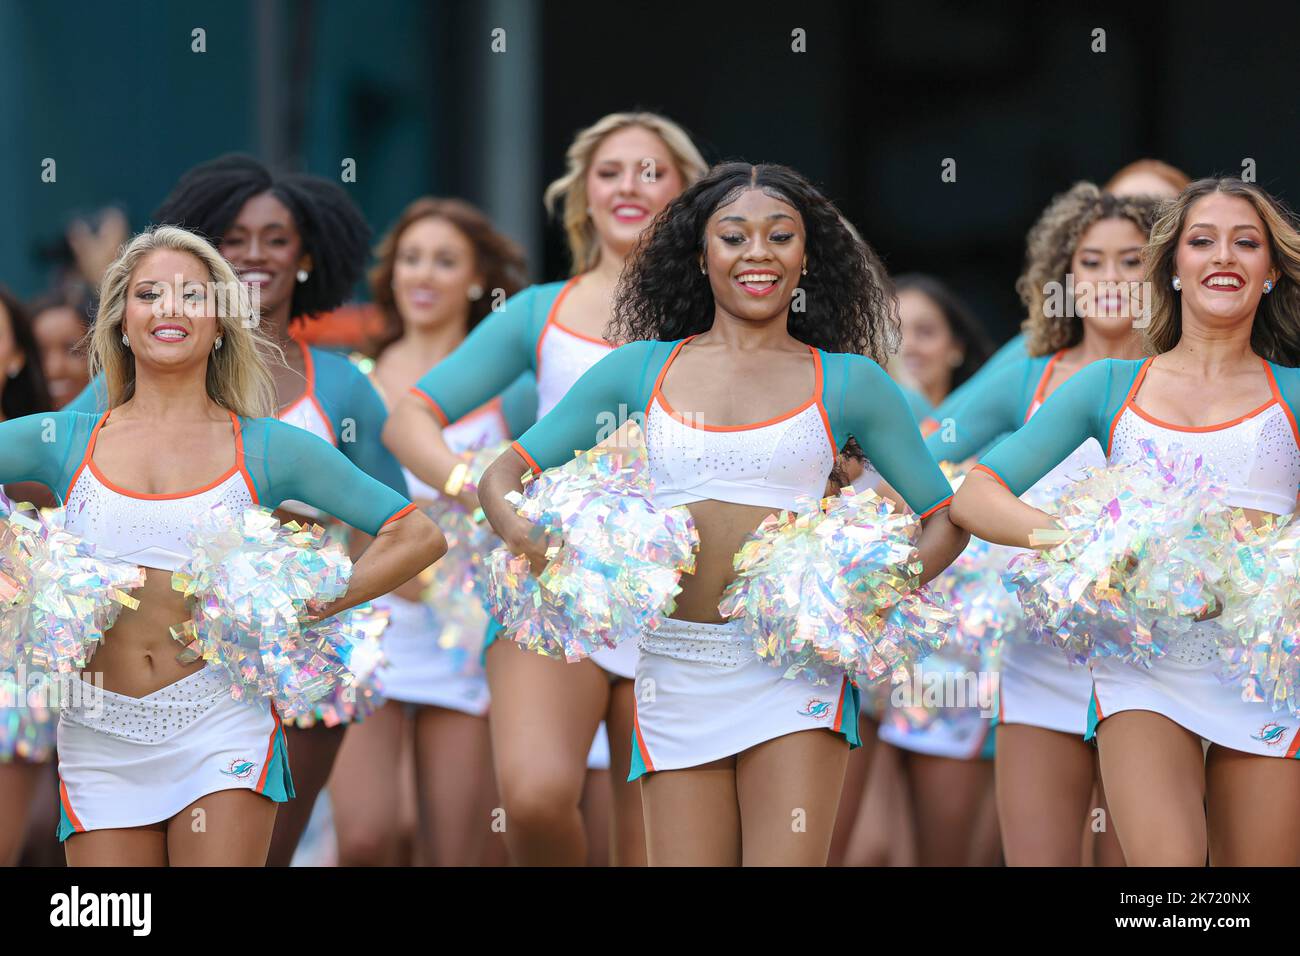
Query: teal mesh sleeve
x,y
1012,351
289,463
863,402
998,405
93,398
500,349
611,391
357,414
519,404
1084,407
46,448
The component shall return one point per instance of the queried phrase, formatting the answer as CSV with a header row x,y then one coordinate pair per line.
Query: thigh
x,y
1154,771
226,828
365,789
1106,850
1044,782
627,819
131,846
789,790
312,752
692,816
543,718
947,796
18,784
597,816
851,795
1238,786
453,773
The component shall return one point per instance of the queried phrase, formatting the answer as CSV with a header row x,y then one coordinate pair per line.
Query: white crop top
x,y
148,530
1256,454
771,464
562,357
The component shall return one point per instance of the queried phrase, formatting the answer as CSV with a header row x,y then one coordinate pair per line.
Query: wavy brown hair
x,y
1274,335
1049,249
496,256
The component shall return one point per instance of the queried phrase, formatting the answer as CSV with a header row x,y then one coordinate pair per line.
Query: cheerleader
x,y
159,744
1090,242
431,280
706,306
1143,177
59,326
26,731
621,172
301,244
1223,263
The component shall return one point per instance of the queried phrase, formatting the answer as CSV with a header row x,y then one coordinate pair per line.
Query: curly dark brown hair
x,y
850,303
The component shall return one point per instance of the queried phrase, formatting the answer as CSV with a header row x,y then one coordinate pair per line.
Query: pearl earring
x,y
125,340
475,292
1177,284
303,275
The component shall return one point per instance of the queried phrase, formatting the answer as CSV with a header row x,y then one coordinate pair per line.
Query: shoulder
x,y
333,365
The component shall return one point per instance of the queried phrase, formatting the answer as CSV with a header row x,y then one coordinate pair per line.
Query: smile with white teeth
x,y
757,278
255,276
170,333
1230,282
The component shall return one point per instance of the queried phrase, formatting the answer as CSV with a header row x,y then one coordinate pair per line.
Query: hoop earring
x,y
303,275
1177,284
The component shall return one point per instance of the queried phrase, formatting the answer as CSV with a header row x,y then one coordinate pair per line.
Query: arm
x,y
289,463
875,412
93,398
573,425
988,503
367,450
39,448
990,409
497,352
1011,350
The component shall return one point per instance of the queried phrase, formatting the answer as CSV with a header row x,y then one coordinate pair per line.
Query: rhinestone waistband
x,y
723,645
1199,644
155,717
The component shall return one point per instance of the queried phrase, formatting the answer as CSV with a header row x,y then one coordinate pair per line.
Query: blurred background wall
x,y
412,90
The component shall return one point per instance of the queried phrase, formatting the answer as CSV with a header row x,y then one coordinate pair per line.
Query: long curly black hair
x,y
849,303
208,197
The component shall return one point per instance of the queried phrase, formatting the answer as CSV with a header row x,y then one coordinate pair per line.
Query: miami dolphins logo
x,y
1271,734
816,708
240,769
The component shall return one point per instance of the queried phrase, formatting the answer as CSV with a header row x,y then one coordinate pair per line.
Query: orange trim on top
x,y
1131,403
239,460
551,320
935,507
235,469
309,394
443,420
523,453
67,808
1041,387
640,740
989,471
1142,372
85,457
401,514
270,750
814,400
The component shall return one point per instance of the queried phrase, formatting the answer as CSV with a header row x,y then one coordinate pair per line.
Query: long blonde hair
x,y
238,376
569,192
1274,335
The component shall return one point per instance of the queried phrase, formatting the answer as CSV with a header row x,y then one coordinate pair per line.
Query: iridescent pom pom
x,y
355,634
810,587
1260,639
29,717
57,598
456,587
1143,544
987,613
617,569
252,582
